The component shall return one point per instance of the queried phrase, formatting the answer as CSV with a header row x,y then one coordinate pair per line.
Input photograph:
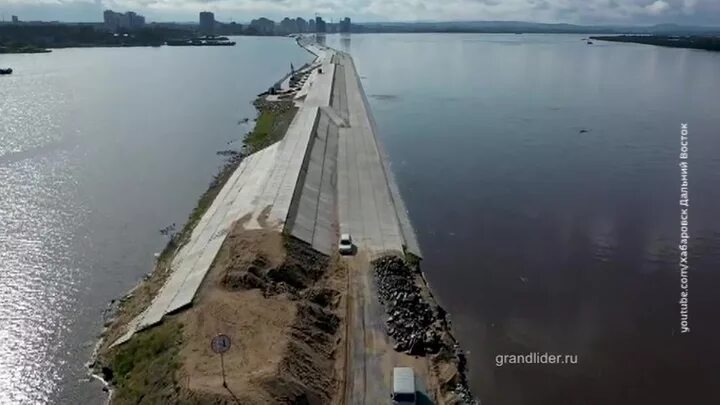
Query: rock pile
x,y
418,327
461,389
411,322
273,106
464,395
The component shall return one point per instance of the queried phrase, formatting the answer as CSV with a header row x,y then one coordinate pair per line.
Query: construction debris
x,y
411,322
418,326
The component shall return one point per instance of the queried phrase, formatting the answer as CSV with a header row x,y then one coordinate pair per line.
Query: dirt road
x,y
370,356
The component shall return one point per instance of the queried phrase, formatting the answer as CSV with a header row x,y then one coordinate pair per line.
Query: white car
x,y
403,386
345,246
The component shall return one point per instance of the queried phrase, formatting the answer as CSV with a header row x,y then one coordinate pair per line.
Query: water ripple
x,y
37,281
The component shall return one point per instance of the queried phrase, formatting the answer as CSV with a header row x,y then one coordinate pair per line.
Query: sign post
x,y
220,344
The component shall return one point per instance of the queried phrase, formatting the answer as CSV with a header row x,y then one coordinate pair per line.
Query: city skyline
x,y
590,12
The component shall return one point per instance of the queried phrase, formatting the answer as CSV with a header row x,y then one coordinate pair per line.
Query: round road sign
x,y
220,344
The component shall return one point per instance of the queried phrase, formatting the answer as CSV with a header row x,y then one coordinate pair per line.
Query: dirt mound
x,y
269,294
324,297
302,266
259,328
315,326
305,374
243,281
299,268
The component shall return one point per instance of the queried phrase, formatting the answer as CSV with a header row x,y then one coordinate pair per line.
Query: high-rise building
x,y
135,20
228,29
207,22
288,26
15,19
119,21
311,25
302,25
111,19
263,26
345,25
320,25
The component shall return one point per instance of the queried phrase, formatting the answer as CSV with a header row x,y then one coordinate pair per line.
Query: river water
x,y
99,149
541,174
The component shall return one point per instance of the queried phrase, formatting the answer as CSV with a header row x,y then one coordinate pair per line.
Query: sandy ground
x,y
287,341
259,329
258,326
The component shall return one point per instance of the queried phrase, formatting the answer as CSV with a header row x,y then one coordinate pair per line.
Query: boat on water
x,y
219,43
198,42
589,42
5,71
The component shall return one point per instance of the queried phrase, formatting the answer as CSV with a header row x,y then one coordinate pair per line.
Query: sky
x,y
593,12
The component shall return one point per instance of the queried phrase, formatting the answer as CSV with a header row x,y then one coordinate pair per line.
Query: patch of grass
x,y
271,124
144,368
412,261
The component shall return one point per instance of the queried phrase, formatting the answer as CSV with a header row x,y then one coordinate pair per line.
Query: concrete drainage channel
x,y
417,327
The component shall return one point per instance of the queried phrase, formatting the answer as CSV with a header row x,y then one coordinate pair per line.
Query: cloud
x,y
658,7
570,11
688,6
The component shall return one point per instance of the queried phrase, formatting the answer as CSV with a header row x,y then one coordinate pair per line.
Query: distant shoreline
x,y
23,49
31,49
707,43
42,38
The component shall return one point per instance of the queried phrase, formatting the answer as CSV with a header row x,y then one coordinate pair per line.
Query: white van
x,y
403,386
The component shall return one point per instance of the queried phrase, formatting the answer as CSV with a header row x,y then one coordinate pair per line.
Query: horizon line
x,y
628,25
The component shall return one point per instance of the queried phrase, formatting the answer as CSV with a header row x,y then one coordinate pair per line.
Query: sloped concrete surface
x,y
192,262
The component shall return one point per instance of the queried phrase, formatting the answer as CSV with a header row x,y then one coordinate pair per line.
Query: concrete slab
x,y
312,217
339,99
193,260
294,149
335,117
370,214
322,86
389,230
278,191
